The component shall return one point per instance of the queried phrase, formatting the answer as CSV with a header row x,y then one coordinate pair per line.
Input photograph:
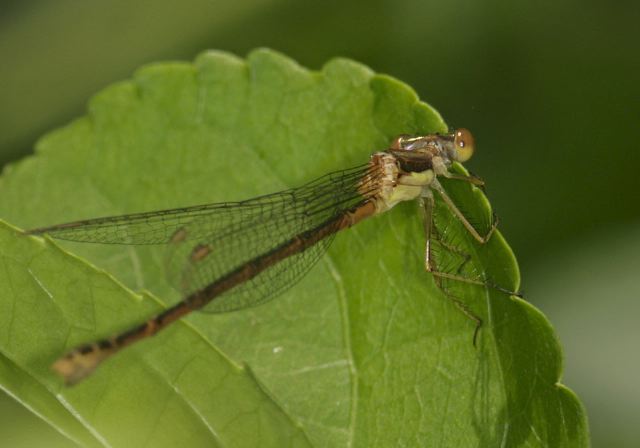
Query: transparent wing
x,y
193,264
162,227
208,241
156,227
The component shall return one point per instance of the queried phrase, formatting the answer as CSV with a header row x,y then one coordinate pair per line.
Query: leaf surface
x,y
365,351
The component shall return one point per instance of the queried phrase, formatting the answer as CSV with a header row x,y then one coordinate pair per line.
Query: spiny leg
x,y
481,239
471,179
465,222
441,169
428,206
467,312
466,257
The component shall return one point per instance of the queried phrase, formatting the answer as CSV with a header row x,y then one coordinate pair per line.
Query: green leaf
x,y
365,351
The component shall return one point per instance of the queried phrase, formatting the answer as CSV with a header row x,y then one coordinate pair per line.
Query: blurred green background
x,y
549,88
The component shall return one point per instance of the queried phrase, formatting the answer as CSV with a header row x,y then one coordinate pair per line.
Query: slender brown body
x,y
80,362
406,171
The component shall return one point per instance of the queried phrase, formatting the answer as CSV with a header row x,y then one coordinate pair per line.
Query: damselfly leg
x,y
454,264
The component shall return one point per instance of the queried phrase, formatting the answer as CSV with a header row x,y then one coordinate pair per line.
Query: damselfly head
x,y
418,153
463,145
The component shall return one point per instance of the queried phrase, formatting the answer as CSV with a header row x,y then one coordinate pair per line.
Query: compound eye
x,y
464,145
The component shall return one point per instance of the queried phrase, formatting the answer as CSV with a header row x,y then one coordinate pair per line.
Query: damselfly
x,y
228,256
